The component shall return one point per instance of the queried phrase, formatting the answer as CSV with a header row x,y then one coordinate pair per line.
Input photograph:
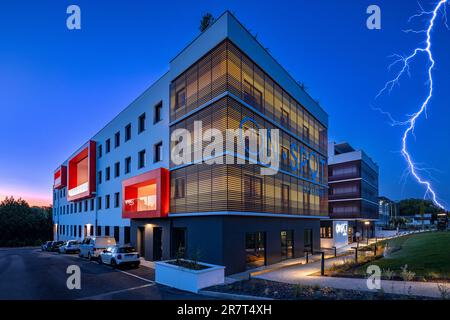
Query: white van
x,y
91,247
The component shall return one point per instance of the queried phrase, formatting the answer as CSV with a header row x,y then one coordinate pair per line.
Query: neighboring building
x,y
124,183
387,209
352,196
419,220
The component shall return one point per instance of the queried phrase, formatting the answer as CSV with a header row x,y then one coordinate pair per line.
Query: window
x,y
80,206
141,157
326,232
127,165
85,206
180,99
99,177
252,95
100,151
306,134
75,207
99,230
116,199
285,196
108,145
284,121
99,203
141,121
107,198
126,235
117,234
92,204
180,188
157,117
128,132
107,231
108,174
285,157
117,139
255,249
157,151
117,169
252,188
287,244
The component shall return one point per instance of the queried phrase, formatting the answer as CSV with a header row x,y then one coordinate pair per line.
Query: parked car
x,y
119,256
54,246
71,246
45,245
91,247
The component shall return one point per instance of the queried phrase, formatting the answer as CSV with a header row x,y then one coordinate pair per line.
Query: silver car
x,y
71,246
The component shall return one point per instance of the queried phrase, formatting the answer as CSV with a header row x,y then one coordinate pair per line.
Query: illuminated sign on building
x,y
341,228
301,160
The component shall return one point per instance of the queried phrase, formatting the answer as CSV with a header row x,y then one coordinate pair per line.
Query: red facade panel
x,y
60,178
81,173
146,195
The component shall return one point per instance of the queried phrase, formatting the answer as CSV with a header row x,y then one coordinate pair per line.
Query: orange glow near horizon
x,y
33,200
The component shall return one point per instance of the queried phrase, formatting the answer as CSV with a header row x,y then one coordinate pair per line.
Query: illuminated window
x,y
252,188
306,134
180,99
140,197
326,232
284,121
285,196
180,188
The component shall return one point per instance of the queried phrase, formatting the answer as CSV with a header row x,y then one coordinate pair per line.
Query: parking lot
x,y
28,273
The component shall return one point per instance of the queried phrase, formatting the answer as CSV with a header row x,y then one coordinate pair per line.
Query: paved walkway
x,y
302,274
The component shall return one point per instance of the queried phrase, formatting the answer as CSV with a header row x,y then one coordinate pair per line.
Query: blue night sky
x,y
52,78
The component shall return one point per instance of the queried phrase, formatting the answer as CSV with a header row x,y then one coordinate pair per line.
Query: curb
x,y
230,296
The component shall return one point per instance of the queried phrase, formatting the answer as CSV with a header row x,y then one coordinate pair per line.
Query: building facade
x,y
352,196
388,210
224,211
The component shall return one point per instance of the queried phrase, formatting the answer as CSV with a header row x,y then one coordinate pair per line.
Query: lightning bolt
x,y
411,122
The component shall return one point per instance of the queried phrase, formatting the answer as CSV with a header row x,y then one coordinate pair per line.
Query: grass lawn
x,y
426,254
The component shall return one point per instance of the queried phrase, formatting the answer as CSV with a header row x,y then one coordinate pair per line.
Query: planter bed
x,y
188,275
284,291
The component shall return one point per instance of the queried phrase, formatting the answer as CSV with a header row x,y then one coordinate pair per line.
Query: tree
x,y
206,22
22,225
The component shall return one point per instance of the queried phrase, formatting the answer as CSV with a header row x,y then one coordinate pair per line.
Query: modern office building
x,y
125,181
352,196
388,209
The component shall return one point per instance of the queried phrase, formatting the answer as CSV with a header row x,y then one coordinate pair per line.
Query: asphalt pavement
x,y
28,273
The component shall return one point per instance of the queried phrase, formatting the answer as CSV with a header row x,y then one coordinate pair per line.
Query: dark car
x,y
45,245
54,246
